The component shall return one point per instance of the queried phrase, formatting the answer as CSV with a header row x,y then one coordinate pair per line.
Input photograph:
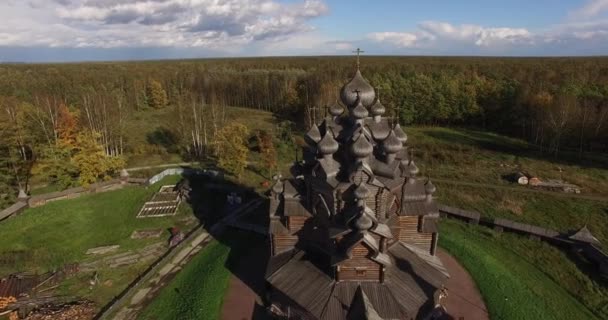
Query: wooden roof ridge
x,y
420,264
361,307
584,235
277,262
431,260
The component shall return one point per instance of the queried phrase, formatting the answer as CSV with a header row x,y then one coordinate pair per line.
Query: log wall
x,y
409,233
360,267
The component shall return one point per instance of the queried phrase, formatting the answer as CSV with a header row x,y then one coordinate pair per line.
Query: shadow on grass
x,y
495,143
249,251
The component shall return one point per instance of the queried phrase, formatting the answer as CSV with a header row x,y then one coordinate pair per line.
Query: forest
x,y
66,123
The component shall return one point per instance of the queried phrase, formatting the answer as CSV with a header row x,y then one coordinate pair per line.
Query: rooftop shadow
x,y
249,251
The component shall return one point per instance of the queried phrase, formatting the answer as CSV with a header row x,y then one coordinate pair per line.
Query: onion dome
x,y
413,169
429,187
362,148
379,130
392,143
328,145
378,109
336,110
359,112
314,134
400,134
361,192
357,83
363,222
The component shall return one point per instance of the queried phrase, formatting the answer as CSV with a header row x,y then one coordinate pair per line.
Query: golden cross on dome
x,y
358,52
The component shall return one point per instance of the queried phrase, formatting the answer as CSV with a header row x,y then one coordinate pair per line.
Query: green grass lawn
x,y
60,232
521,278
46,238
197,291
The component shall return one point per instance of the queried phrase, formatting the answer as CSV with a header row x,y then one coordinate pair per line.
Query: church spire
x,y
358,52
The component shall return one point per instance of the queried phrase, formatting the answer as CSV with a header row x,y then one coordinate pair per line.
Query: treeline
x,y
551,102
554,103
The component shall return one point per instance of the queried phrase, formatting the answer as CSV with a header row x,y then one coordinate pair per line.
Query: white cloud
x,y
270,27
133,23
400,39
429,33
435,37
590,10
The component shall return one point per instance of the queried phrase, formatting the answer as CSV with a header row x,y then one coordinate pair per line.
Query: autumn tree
x,y
267,151
16,146
67,122
156,96
232,141
56,167
92,162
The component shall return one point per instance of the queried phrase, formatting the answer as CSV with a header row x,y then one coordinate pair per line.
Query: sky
x,y
88,30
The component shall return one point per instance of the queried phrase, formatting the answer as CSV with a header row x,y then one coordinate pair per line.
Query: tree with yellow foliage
x,y
233,151
156,96
267,151
91,161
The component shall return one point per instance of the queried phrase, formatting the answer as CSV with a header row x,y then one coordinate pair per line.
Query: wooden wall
x,y
295,223
409,233
360,267
283,242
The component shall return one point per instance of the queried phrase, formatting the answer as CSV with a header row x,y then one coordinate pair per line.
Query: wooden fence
x,y
592,252
40,200
14,209
71,193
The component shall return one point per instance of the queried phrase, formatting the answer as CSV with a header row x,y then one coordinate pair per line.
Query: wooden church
x,y
354,231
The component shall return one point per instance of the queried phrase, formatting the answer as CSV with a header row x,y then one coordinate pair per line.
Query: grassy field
x,y
46,238
60,232
197,291
561,214
484,157
521,278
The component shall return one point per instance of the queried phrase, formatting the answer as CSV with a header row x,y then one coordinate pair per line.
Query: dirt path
x,y
242,301
464,300
239,302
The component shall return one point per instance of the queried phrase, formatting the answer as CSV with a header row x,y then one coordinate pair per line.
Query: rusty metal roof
x,y
17,285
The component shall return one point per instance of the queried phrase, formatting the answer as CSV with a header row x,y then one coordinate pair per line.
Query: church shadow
x,y
248,250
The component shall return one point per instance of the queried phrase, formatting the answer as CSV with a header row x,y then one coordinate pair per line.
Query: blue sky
x,y
77,30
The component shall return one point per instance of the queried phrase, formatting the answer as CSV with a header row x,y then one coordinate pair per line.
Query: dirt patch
x,y
148,233
514,206
464,300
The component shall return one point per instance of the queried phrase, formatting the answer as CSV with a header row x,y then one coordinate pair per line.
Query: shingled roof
x,y
409,284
